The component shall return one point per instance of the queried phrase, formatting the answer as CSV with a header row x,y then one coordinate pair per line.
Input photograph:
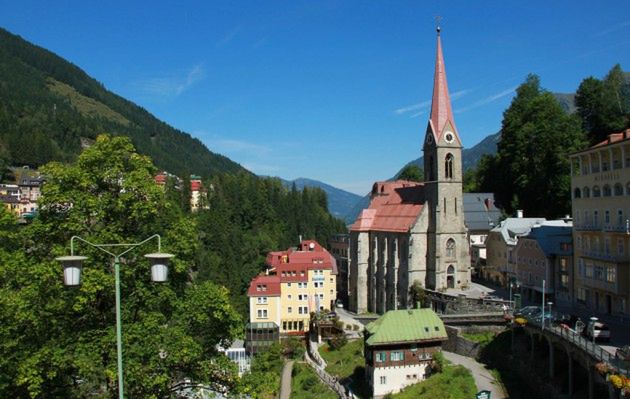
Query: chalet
x,y
399,348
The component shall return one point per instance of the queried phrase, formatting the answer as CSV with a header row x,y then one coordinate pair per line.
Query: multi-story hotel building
x,y
600,187
299,281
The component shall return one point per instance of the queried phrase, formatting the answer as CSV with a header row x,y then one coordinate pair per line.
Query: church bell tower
x,y
448,256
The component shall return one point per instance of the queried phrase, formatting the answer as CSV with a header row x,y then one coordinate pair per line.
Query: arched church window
x,y
450,270
448,166
450,248
577,193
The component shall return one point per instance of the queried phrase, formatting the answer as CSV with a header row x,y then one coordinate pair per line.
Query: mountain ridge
x,y
48,106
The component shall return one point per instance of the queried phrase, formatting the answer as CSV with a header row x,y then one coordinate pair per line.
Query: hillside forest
x,y
56,341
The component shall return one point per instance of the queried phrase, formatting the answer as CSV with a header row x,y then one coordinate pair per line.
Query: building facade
x,y
339,245
546,253
399,348
414,231
600,187
299,281
501,248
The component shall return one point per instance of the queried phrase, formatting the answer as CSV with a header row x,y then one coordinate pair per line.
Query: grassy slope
x,y
306,385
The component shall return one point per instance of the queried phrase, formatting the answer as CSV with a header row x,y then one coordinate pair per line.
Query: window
x,y
381,356
596,192
607,191
450,248
383,380
619,217
262,300
303,310
607,217
618,190
397,356
607,245
262,313
577,193
611,274
289,310
596,218
620,246
448,166
587,192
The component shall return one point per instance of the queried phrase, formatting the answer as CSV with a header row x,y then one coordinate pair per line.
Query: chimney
x,y
519,213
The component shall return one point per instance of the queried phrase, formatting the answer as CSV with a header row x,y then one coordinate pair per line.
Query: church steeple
x,y
441,111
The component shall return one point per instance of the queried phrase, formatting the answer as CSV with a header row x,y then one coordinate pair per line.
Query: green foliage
x,y
438,362
306,385
454,382
337,341
417,294
531,169
481,337
343,362
249,217
293,348
411,172
604,105
60,342
263,381
49,108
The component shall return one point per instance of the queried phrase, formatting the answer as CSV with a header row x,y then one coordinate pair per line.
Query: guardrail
x,y
588,346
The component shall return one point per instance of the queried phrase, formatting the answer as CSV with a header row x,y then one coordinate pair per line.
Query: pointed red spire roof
x,y
441,111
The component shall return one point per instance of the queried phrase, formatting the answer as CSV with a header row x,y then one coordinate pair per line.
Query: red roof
x,y
161,178
441,112
395,206
263,285
309,255
614,138
195,185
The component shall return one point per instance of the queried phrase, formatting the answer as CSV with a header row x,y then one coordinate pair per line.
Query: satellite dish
x,y
311,245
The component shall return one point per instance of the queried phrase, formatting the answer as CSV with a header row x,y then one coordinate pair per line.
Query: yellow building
x,y
300,281
600,188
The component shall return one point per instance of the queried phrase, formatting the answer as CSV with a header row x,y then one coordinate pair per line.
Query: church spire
x,y
441,111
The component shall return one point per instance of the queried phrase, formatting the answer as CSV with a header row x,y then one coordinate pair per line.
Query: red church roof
x,y
395,206
441,111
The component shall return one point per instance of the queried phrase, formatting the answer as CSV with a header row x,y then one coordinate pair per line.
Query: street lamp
x,y
73,265
513,284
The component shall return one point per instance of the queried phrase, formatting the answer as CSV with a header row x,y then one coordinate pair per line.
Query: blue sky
x,y
337,91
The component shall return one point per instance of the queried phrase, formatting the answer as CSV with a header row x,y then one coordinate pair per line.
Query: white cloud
x,y
229,36
612,29
172,85
412,107
487,100
237,146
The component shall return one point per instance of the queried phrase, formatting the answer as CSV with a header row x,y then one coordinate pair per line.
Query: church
x,y
414,232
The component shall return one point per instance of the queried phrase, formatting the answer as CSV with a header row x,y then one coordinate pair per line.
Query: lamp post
x,y
513,284
549,304
72,267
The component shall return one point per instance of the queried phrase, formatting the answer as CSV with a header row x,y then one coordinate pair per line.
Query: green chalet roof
x,y
412,325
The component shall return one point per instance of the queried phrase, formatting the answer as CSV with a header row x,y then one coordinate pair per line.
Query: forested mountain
x,y
340,202
50,108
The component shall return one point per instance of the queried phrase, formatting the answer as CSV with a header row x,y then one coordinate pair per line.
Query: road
x,y
285,381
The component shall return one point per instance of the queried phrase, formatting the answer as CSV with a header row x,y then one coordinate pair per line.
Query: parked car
x,y
528,312
598,331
